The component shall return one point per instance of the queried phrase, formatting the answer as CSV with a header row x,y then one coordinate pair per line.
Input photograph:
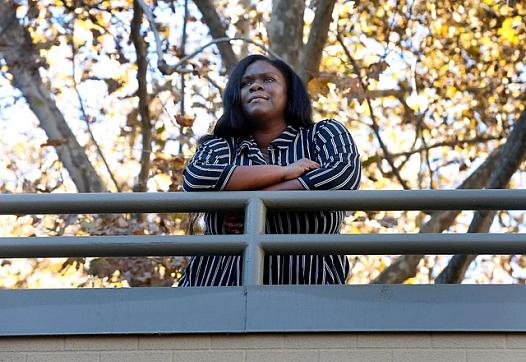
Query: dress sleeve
x,y
210,168
338,158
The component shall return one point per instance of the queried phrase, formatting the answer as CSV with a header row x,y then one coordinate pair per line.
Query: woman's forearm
x,y
285,185
255,177
258,177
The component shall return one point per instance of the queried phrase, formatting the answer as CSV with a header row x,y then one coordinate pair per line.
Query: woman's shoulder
x,y
211,141
329,125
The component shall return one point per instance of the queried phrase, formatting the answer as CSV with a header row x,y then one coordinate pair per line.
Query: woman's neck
x,y
264,136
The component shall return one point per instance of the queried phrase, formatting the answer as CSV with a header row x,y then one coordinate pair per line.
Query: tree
x,y
22,63
448,76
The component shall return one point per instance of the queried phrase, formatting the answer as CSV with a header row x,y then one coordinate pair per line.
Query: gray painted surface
x,y
254,256
382,244
372,308
122,245
256,308
121,311
83,203
350,244
382,308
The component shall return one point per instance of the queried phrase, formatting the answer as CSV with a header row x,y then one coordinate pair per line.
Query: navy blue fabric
x,y
327,142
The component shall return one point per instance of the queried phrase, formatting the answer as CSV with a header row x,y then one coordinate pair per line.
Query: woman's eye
x,y
269,79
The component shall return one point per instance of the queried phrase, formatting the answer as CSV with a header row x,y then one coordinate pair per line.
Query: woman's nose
x,y
255,86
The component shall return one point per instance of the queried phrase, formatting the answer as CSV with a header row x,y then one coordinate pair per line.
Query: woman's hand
x,y
234,223
298,168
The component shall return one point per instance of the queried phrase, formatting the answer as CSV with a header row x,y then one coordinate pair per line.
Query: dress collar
x,y
285,138
283,141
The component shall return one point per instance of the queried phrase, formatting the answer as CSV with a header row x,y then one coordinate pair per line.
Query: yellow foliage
x,y
451,91
318,86
508,31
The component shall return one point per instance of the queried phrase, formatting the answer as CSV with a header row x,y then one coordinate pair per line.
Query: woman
x,y
266,140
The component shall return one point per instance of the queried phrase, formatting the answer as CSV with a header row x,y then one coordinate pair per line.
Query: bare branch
x,y
243,26
183,51
149,15
318,34
86,118
214,84
217,31
457,142
480,139
375,127
142,93
170,69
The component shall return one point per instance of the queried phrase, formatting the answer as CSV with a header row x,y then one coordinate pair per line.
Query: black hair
x,y
233,122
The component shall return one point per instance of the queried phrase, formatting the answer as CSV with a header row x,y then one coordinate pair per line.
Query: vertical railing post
x,y
253,257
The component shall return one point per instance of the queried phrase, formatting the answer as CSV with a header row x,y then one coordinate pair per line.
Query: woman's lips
x,y
257,98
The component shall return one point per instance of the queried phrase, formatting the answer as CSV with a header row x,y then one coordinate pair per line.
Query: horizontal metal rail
x,y
349,244
122,245
254,243
86,203
384,244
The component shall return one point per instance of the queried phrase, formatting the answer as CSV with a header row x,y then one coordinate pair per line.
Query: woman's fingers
x,y
298,168
311,165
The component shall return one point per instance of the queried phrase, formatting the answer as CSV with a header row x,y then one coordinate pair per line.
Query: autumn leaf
x,y
317,86
112,84
54,143
376,69
185,120
353,89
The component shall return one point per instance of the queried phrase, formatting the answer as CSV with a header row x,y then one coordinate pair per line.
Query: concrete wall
x,y
269,347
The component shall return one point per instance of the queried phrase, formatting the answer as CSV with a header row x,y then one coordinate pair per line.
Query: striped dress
x,y
327,142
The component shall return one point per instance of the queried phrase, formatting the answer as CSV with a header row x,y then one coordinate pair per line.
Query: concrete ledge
x,y
361,308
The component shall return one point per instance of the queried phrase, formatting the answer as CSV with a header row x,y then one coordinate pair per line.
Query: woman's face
x,y
263,92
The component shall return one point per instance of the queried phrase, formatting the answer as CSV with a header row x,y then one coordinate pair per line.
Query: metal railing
x,y
255,307
254,243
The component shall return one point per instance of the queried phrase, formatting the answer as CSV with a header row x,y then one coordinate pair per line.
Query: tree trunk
x,y
458,265
285,30
511,157
142,94
17,49
217,30
405,266
318,34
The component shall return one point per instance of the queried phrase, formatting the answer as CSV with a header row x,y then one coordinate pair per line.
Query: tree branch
x,y
512,155
149,15
457,142
142,93
170,69
183,51
405,266
318,34
374,125
86,118
23,63
217,31
285,30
